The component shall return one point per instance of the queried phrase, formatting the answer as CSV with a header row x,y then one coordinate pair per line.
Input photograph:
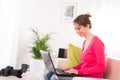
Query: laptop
x,y
50,66
62,53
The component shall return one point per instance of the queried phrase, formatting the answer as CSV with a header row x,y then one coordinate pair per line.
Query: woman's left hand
x,y
71,71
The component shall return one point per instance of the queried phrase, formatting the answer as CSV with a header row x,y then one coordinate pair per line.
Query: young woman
x,y
92,56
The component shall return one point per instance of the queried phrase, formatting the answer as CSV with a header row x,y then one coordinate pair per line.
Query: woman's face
x,y
80,30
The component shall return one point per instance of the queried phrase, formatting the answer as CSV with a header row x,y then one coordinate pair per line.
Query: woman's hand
x,y
66,68
71,71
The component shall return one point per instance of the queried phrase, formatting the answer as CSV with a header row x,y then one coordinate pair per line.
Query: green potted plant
x,y
40,43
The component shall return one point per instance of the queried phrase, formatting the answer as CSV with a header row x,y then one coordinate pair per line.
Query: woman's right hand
x,y
65,68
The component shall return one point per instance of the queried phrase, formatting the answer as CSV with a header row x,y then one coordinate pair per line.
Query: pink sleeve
x,y
78,66
99,65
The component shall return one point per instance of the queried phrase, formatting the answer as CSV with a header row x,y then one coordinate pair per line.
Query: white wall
x,y
45,15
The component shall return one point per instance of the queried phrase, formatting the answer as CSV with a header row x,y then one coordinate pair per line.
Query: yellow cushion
x,y
73,55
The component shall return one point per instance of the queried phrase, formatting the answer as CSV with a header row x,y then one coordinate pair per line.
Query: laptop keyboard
x,y
62,73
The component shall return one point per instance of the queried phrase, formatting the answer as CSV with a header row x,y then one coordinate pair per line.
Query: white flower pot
x,y
37,67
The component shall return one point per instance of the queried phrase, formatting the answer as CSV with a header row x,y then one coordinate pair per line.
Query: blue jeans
x,y
52,76
49,75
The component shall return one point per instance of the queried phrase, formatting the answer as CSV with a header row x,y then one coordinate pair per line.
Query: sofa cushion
x,y
73,55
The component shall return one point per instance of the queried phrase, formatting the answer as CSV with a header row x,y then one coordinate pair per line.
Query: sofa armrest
x,y
84,78
113,68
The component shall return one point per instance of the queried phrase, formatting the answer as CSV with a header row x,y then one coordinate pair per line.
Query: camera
x,y
10,71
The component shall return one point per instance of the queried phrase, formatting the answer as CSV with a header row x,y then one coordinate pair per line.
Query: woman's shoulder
x,y
96,39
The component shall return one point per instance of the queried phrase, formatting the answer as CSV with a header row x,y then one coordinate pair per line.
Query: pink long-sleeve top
x,y
92,59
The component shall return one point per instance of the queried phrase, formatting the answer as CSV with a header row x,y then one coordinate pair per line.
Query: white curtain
x,y
7,32
106,24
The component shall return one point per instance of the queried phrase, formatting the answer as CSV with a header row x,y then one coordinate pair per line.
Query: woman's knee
x,y
54,77
49,75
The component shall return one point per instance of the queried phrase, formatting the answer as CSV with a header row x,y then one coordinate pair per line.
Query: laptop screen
x,y
62,53
47,61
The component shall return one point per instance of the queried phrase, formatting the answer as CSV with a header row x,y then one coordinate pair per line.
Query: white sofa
x,y
112,71
27,76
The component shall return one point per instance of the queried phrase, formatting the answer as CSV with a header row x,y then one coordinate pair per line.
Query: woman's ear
x,y
88,26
